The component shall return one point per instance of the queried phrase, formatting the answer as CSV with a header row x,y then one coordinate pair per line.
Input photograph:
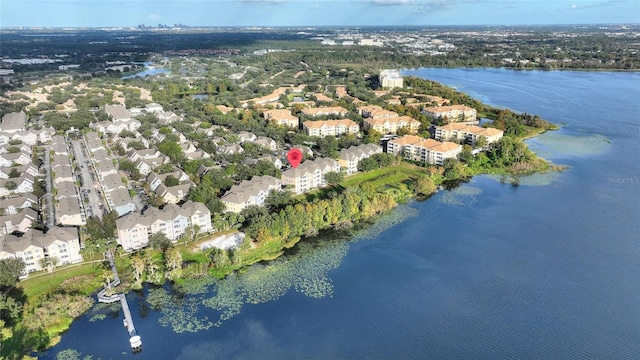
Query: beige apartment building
x,y
469,133
426,150
331,127
453,113
281,117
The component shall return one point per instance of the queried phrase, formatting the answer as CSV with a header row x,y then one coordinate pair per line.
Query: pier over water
x,y
134,339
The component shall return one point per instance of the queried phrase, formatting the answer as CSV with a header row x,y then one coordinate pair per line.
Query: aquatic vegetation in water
x,y
537,179
306,271
464,195
183,316
386,221
101,310
72,354
554,144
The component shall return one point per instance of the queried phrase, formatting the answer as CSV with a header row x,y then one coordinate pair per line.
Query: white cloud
x,y
153,16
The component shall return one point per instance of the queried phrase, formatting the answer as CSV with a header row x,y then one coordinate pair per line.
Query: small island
x,y
183,175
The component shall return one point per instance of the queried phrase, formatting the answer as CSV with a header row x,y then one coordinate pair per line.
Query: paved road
x,y
48,197
90,187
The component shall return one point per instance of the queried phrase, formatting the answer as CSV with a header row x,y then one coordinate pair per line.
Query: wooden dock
x,y
134,339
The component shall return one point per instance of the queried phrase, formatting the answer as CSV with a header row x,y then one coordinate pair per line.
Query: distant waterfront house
x,y
469,133
426,150
309,175
331,127
349,158
173,221
453,113
62,244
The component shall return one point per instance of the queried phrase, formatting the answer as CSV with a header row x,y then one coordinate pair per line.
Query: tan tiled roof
x,y
330,123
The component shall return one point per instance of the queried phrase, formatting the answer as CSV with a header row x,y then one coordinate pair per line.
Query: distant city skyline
x,y
131,13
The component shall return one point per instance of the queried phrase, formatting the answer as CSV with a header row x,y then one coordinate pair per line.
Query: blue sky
x,y
97,13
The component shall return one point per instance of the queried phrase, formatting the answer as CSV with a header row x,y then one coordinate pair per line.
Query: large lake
x,y
546,270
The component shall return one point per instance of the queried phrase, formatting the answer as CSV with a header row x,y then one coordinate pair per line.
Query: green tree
x,y
333,177
425,186
14,173
481,142
138,265
159,241
10,270
173,263
10,309
170,180
10,185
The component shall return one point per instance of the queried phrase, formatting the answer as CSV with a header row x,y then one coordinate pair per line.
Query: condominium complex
x,y
390,79
331,127
469,133
281,117
250,192
426,150
452,113
174,221
349,158
310,174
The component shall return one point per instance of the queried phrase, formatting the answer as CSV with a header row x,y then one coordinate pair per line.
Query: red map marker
x,y
295,157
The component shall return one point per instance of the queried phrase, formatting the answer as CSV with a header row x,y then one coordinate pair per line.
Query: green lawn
x,y
42,284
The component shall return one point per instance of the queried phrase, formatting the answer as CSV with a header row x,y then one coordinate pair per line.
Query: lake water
x,y
147,72
546,270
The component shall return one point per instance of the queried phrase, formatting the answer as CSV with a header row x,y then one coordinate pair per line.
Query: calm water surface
x,y
546,270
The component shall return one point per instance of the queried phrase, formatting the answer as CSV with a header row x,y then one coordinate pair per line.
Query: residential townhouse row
x,y
13,128
114,190
173,221
69,207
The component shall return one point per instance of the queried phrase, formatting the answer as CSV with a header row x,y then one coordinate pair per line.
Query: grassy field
x,y
41,284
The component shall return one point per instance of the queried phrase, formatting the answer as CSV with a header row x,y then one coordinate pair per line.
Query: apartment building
x,y
309,175
331,127
349,158
282,117
467,133
452,113
174,221
390,79
250,192
33,246
426,150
